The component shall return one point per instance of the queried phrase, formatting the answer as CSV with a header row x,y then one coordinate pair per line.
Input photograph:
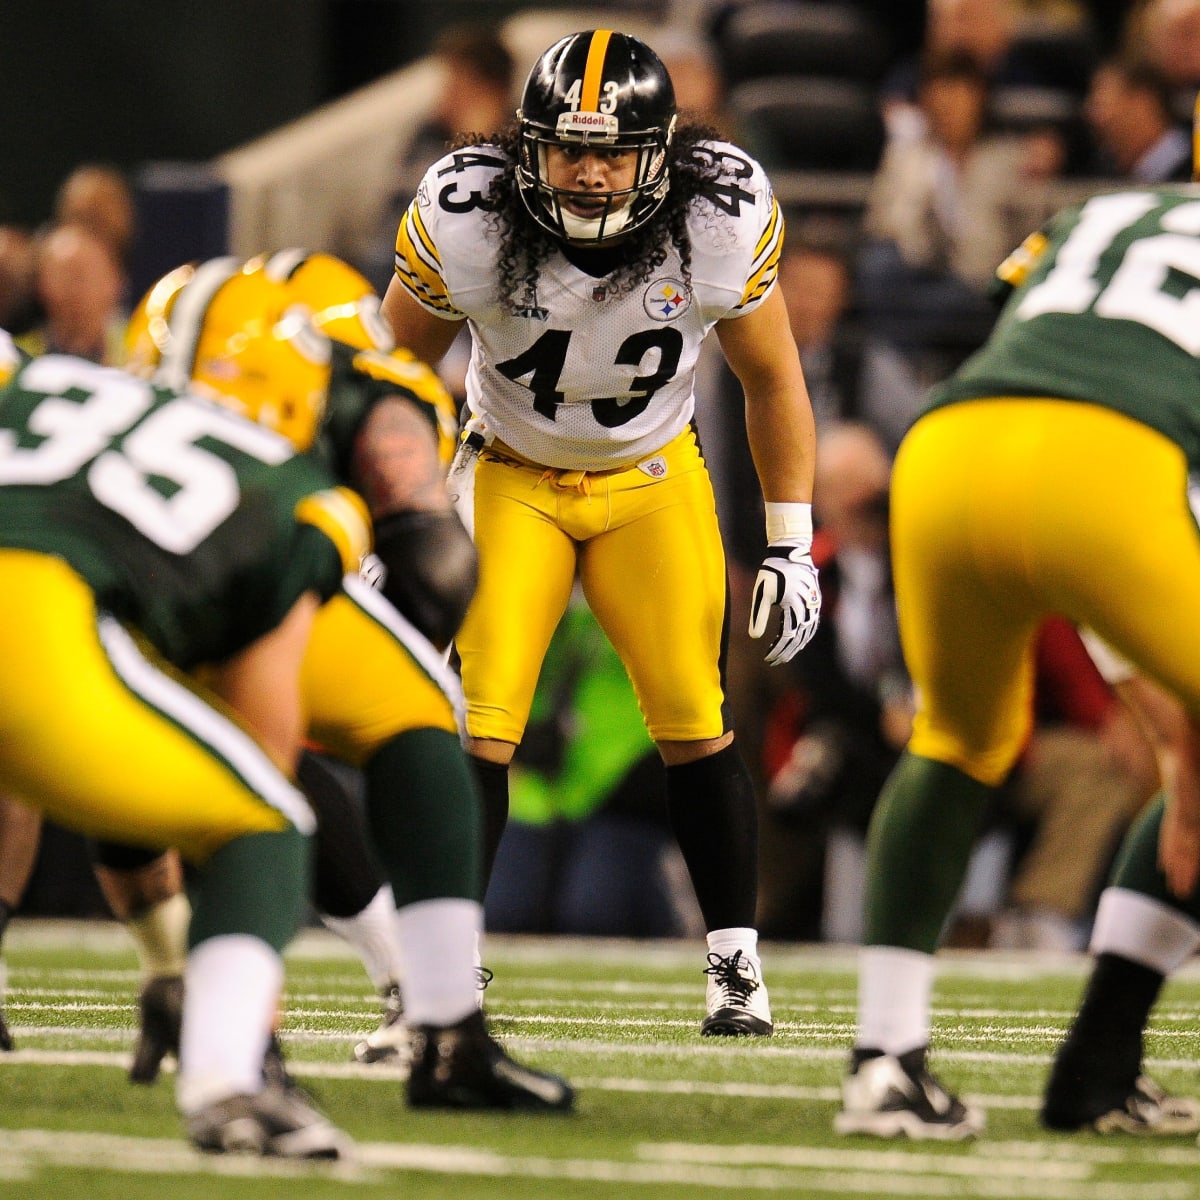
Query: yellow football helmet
x,y
148,331
10,357
241,338
344,305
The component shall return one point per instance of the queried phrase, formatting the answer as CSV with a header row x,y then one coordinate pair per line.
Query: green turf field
x,y
661,1112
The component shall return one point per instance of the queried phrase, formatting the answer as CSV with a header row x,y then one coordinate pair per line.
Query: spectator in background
x,y
1130,112
99,198
837,734
18,295
588,849
475,95
852,375
1167,32
80,285
944,209
981,30
699,84
1085,775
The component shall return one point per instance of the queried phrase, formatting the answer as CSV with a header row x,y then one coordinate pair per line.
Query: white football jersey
x,y
578,378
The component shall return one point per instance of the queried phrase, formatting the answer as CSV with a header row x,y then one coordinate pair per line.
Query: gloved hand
x,y
788,579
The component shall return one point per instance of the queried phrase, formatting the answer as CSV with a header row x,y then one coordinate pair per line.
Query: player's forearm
x,y
782,437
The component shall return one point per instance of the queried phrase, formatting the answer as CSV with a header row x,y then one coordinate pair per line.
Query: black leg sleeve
x,y
493,787
713,813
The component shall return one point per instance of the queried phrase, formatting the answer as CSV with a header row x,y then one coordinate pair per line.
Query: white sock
x,y
231,996
1145,930
437,955
727,942
893,998
372,933
161,934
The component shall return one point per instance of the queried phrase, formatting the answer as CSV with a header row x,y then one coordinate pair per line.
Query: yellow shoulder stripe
x,y
341,515
418,267
1014,270
765,267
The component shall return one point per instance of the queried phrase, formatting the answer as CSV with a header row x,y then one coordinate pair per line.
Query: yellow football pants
x,y
1007,510
645,543
104,738
368,675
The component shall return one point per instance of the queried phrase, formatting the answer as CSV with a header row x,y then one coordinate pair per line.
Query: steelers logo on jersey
x,y
666,299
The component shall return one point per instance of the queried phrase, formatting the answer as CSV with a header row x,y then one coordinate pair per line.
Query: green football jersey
x,y
195,526
1109,313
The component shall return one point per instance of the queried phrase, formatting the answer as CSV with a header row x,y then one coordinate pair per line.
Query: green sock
x,y
425,816
257,884
918,848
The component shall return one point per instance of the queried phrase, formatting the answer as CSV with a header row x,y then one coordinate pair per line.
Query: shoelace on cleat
x,y
725,970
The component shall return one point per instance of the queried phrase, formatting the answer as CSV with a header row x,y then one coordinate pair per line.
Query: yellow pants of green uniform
x,y
105,739
1006,510
645,543
368,675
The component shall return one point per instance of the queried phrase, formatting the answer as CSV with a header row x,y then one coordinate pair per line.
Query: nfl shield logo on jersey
x,y
666,299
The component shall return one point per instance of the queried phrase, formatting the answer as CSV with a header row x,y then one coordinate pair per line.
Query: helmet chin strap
x,y
587,229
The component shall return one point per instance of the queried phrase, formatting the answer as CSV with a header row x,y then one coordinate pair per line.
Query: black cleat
x,y
463,1066
161,1015
1144,1109
6,1042
889,1096
388,1043
277,1122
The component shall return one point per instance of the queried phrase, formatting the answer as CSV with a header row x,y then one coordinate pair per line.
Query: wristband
x,y
789,524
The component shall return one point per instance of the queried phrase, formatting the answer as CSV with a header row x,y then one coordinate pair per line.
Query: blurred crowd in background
x,y
914,144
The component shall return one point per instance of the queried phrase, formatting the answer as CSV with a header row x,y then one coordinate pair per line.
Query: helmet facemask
x,y
624,209
596,92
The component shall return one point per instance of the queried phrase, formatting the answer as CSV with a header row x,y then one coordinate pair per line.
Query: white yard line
x,y
23,1152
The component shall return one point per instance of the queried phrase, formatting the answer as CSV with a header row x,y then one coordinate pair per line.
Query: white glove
x,y
787,578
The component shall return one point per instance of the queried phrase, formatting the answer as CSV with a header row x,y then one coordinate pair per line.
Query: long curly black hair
x,y
525,246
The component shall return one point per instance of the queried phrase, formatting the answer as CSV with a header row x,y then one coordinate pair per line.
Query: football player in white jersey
x,y
590,249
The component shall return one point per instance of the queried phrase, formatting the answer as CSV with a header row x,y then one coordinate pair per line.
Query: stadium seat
x,y
1060,56
836,40
811,124
1016,108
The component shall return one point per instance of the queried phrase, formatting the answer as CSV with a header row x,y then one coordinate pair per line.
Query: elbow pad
x,y
429,570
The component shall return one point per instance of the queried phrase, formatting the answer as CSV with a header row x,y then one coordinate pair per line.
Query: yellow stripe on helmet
x,y
593,71
1196,140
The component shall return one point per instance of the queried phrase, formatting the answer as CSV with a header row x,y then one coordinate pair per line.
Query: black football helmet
x,y
597,89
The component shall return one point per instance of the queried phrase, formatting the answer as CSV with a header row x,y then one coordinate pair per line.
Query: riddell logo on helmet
x,y
587,123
